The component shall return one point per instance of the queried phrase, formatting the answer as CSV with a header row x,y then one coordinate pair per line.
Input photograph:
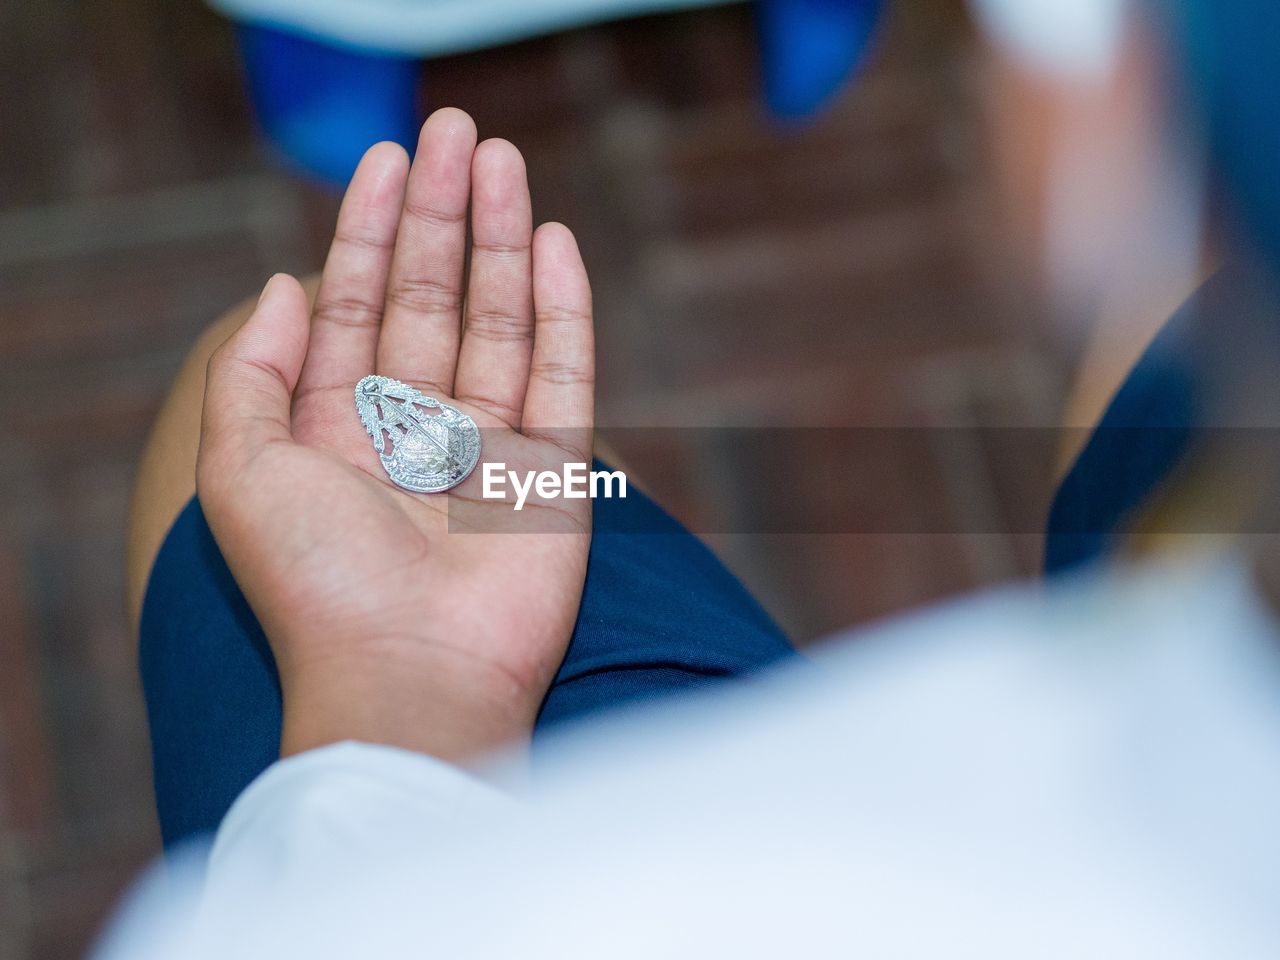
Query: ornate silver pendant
x,y
421,451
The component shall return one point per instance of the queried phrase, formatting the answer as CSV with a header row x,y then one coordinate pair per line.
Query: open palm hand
x,y
434,621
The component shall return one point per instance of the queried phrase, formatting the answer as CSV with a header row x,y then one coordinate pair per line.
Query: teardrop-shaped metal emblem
x,y
421,451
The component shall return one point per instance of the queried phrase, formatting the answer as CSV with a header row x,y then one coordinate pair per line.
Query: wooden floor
x,y
842,273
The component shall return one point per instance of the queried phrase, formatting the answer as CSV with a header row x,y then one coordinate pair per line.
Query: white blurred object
x,y
427,28
1072,39
1091,774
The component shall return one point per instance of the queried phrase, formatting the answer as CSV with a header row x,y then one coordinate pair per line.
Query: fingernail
x,y
271,280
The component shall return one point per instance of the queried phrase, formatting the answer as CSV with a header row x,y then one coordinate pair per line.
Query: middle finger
x,y
420,328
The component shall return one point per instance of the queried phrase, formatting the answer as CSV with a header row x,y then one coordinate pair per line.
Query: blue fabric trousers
x,y
660,615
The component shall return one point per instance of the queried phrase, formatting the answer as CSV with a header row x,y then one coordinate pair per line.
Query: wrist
x,y
447,707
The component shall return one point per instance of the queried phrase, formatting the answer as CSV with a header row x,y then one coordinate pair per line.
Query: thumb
x,y
250,380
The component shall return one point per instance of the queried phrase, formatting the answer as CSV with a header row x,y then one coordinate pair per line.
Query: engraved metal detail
x,y
421,451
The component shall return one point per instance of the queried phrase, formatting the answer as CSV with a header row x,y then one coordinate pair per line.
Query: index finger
x,y
348,308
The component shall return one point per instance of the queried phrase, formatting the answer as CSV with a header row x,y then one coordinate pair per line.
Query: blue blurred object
x,y
323,105
810,47
1234,72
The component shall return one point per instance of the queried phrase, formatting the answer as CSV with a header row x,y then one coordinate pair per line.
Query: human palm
x,y
429,620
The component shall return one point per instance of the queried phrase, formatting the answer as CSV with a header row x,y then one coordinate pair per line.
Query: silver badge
x,y
423,452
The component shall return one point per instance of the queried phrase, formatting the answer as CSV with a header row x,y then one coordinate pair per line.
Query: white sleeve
x,y
302,827
304,810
